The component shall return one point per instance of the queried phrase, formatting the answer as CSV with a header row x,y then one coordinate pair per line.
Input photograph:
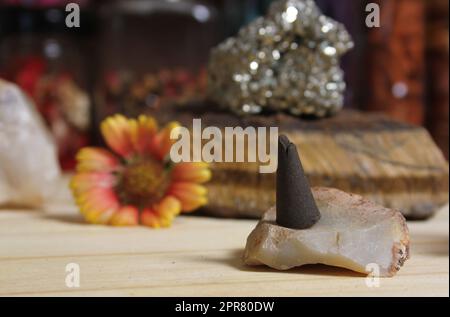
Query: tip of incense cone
x,y
295,204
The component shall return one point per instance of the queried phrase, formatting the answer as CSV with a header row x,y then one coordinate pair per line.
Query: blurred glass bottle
x,y
153,54
45,58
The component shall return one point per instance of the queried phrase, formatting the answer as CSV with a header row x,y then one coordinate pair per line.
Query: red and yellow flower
x,y
136,183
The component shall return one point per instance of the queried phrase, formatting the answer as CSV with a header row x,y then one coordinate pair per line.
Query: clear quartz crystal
x,y
29,170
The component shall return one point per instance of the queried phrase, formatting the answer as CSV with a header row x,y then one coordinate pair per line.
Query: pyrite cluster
x,y
286,61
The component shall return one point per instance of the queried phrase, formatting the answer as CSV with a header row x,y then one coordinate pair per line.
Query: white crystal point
x,y
352,233
29,169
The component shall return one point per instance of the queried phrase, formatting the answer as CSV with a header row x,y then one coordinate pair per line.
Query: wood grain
x,y
198,256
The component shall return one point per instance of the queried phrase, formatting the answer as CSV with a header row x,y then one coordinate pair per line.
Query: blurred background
x,y
127,56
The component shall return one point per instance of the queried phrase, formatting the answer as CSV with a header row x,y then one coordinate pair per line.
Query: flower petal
x,y
97,198
162,214
92,159
125,216
82,182
146,128
162,143
168,209
100,216
191,172
150,218
117,131
97,204
191,195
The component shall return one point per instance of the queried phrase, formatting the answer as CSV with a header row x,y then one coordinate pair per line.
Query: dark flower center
x,y
143,183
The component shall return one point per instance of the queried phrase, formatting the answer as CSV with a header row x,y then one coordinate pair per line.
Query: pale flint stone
x,y
29,169
351,233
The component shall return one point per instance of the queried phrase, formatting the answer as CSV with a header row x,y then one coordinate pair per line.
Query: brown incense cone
x,y
295,206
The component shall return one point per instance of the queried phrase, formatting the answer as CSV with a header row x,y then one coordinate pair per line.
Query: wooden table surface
x,y
198,256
